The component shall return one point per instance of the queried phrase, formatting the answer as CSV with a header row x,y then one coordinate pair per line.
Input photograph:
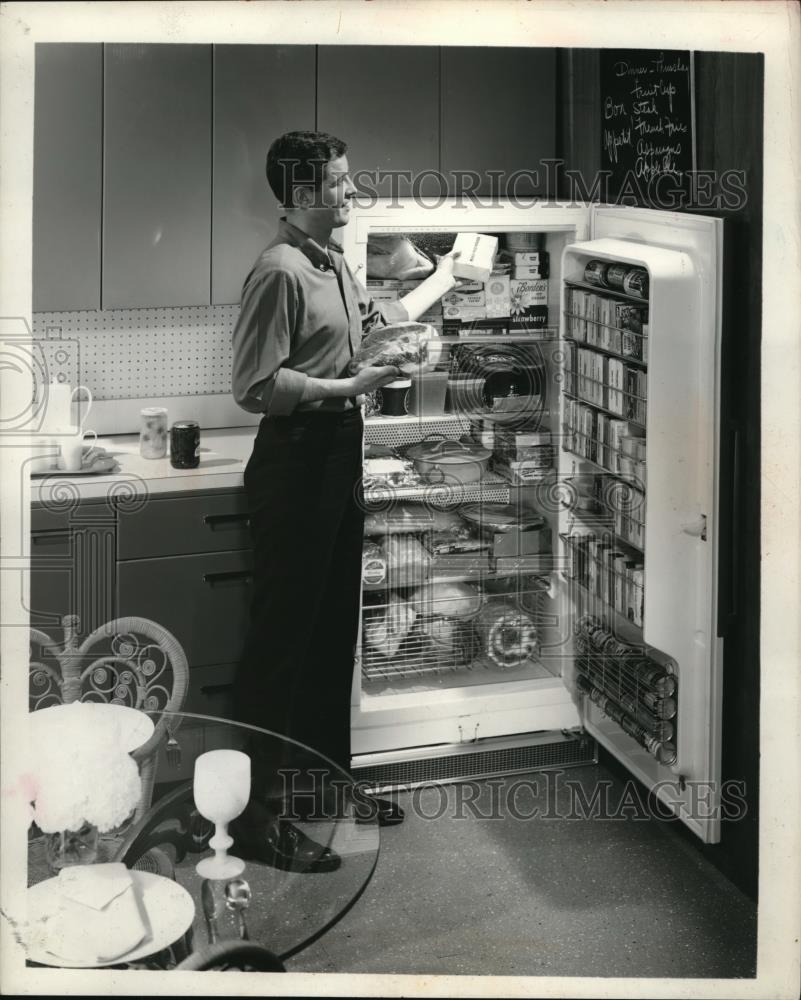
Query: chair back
x,y
129,661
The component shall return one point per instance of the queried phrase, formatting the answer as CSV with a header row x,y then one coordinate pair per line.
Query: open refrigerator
x,y
578,601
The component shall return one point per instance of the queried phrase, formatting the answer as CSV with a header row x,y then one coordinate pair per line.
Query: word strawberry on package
x,y
412,348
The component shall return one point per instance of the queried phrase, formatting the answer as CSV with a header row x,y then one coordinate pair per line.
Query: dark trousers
x,y
303,484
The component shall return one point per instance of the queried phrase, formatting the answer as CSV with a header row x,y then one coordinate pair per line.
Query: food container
x,y
427,394
510,532
153,432
465,394
185,444
443,461
394,398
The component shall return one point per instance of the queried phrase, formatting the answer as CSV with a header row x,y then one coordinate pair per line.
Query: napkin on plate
x,y
98,915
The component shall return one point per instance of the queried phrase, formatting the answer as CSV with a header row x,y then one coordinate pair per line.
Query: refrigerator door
x,y
683,256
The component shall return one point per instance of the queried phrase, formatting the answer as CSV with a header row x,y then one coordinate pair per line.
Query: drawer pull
x,y
209,690
233,576
51,538
215,521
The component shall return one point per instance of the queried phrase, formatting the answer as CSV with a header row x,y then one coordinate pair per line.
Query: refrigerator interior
x,y
595,607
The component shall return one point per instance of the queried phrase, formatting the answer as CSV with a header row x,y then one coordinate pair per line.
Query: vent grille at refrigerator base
x,y
484,759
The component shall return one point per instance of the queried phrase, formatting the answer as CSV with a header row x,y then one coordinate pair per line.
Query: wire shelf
x,y
623,592
439,644
608,293
491,488
571,394
604,456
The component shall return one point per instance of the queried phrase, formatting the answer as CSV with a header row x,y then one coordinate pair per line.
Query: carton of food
x,y
476,258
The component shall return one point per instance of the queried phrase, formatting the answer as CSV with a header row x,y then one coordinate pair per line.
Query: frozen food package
x,y
448,599
508,634
374,565
400,518
396,257
385,627
411,347
408,563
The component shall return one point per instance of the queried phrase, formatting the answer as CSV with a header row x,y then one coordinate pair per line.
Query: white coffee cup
x,y
71,441
46,454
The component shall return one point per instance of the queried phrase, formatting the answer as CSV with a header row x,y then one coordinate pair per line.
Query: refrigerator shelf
x,y
410,429
628,479
588,602
606,292
602,409
617,355
492,488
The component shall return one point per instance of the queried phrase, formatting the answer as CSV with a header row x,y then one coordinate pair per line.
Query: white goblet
x,y
221,788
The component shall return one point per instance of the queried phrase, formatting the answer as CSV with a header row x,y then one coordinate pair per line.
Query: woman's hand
x,y
445,263
370,379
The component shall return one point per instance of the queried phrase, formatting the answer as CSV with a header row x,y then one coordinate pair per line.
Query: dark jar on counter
x,y
185,445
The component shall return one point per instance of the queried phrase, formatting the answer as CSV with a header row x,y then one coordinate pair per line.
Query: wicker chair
x,y
128,661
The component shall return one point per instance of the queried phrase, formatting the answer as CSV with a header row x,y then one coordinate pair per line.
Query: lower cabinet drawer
x,y
204,600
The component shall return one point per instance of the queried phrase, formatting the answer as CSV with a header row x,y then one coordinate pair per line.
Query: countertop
x,y
223,455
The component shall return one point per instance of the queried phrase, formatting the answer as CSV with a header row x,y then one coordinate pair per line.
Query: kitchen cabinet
x,y
499,114
67,167
157,175
185,562
260,92
73,565
383,101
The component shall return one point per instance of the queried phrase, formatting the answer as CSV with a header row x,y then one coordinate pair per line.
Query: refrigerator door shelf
x,y
681,535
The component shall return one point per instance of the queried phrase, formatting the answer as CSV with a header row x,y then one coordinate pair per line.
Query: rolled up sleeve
x,y
261,346
373,315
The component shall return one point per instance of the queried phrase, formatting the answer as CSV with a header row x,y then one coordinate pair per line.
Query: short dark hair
x,y
297,159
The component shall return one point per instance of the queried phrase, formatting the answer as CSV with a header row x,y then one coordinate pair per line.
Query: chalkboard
x,y
648,126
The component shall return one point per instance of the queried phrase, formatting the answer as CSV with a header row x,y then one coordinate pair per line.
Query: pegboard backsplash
x,y
142,353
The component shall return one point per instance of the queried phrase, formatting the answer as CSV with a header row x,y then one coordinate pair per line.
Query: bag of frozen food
x,y
374,565
385,627
399,518
449,599
396,257
408,563
409,347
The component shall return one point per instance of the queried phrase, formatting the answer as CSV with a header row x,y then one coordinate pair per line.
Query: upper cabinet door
x,y
157,161
67,176
260,92
499,114
383,102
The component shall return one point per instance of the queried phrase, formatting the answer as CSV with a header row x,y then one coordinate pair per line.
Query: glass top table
x,y
287,909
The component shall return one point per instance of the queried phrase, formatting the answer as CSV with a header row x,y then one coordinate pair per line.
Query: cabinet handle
x,y
232,576
51,538
211,689
226,520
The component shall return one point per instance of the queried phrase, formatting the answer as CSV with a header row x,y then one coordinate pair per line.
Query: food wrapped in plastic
x,y
385,627
508,634
396,257
411,347
448,599
408,563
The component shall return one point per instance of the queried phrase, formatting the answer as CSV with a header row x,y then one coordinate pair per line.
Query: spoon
x,y
209,910
237,899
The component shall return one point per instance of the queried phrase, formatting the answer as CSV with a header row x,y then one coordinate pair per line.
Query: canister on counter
x,y
185,444
153,432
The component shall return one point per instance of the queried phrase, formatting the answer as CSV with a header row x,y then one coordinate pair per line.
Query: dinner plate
x,y
135,727
168,907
